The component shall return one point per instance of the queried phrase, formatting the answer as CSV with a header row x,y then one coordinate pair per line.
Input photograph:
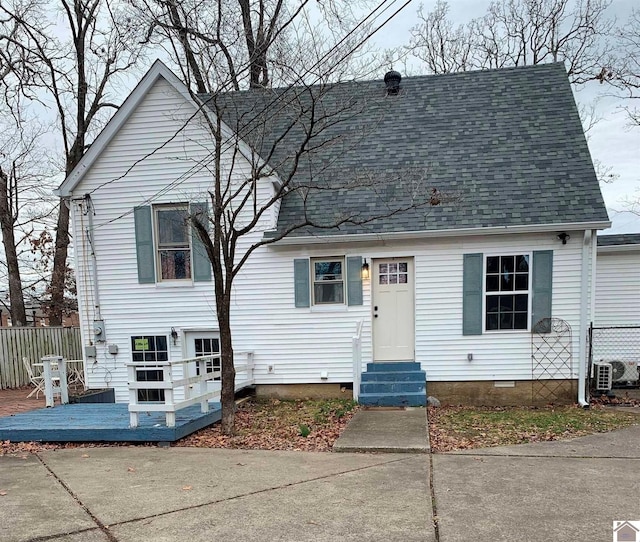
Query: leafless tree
x,y
624,71
223,47
517,33
25,202
291,139
75,77
242,43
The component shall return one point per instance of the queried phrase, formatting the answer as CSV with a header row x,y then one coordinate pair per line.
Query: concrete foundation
x,y
477,393
505,393
303,391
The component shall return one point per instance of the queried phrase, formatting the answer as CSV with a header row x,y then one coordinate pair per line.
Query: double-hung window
x,y
507,292
328,281
173,250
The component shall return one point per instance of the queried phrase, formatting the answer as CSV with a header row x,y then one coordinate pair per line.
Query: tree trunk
x,y
16,300
228,370
58,276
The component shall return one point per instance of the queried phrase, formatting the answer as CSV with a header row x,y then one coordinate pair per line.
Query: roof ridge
x,y
476,72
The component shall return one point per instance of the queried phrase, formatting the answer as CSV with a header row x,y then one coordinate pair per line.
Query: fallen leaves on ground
x,y
260,424
463,428
280,425
622,399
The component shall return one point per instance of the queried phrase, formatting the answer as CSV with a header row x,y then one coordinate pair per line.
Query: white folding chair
x,y
36,380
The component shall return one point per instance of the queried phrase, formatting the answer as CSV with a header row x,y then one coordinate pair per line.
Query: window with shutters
x,y
173,249
507,292
331,282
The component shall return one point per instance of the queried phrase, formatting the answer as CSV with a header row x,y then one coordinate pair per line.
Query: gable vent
x,y
392,81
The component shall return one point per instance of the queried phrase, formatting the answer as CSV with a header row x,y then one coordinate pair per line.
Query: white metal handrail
x,y
194,376
356,352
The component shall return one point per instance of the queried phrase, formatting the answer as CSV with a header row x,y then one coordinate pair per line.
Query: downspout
x,y
584,319
594,269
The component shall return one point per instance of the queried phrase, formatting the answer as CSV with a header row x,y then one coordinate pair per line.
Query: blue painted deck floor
x,y
102,422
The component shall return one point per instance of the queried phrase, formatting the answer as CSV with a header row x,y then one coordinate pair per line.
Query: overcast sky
x,y
611,141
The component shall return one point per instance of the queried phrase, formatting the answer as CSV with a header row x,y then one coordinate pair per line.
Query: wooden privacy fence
x,y
34,343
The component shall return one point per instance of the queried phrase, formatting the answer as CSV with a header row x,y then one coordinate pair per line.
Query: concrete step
x,y
393,366
384,387
393,399
396,376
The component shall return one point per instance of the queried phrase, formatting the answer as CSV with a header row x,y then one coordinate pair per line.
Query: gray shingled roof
x,y
507,145
619,239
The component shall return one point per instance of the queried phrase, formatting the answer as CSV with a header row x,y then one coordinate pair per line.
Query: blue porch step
x,y
393,366
393,376
393,399
393,384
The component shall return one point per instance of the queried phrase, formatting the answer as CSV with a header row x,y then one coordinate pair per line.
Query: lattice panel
x,y
551,360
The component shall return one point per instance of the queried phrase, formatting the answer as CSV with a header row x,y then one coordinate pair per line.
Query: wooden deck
x,y
102,422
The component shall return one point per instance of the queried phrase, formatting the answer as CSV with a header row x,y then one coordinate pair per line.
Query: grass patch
x,y
458,428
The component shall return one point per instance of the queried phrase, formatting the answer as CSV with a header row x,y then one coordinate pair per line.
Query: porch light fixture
x,y
564,237
365,270
174,335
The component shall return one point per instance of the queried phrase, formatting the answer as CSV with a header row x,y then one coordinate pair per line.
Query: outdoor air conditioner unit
x,y
602,375
624,371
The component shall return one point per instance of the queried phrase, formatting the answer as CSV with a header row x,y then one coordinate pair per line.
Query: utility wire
x,y
222,89
205,160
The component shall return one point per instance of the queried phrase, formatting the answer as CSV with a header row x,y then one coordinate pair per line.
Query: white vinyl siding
x,y
618,288
299,343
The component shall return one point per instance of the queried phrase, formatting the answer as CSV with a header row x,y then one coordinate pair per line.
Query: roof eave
x,y
430,234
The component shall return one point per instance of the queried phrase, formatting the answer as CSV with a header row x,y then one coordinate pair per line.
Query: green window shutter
x,y
301,280
354,280
201,263
472,295
541,287
144,245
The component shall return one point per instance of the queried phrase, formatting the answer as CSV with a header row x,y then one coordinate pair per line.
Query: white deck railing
x,y
193,381
356,352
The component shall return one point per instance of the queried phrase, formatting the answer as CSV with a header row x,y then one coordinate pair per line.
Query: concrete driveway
x,y
561,491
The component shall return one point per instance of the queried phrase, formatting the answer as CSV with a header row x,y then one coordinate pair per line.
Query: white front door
x,y
393,309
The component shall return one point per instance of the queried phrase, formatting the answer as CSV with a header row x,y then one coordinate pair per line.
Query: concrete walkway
x,y
380,430
560,491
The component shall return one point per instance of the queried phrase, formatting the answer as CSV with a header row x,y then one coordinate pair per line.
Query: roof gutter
x,y
618,248
458,232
